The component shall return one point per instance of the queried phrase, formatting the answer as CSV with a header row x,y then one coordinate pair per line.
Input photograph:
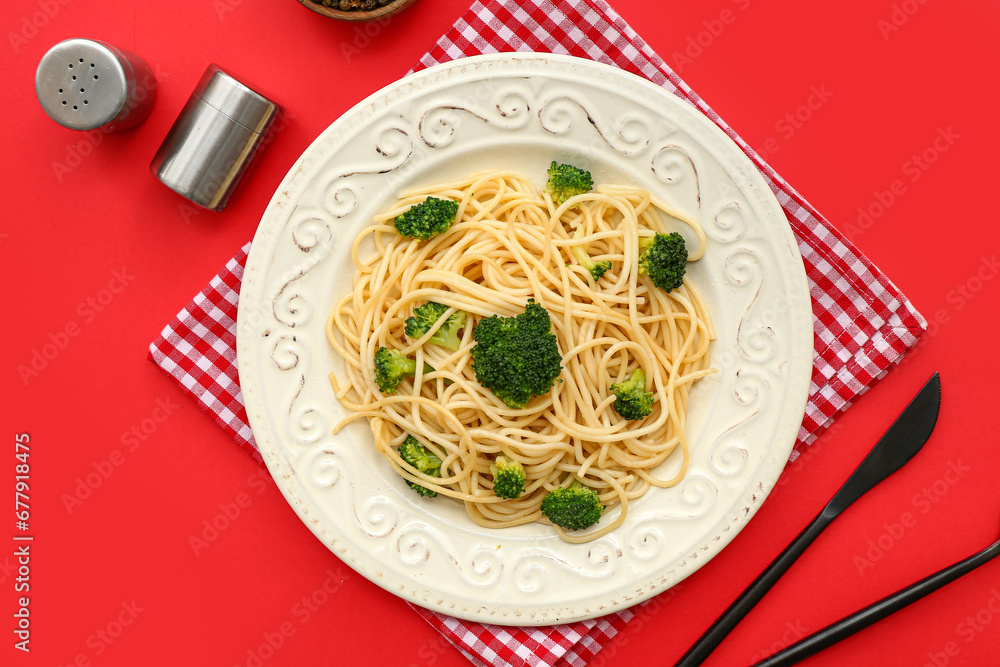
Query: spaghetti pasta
x,y
510,244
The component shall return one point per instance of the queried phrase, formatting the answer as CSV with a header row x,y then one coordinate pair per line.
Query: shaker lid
x,y
81,84
235,100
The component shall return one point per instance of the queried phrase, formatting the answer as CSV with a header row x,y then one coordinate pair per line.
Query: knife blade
x,y
898,445
903,439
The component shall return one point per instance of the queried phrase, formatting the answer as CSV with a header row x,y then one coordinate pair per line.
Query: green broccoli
x,y
508,477
517,357
424,317
664,258
574,507
419,457
427,219
597,269
566,181
632,401
391,367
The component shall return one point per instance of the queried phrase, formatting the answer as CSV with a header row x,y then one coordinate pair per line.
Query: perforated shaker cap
x,y
82,84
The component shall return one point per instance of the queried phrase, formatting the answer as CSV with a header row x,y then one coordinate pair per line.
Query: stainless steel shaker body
x,y
214,139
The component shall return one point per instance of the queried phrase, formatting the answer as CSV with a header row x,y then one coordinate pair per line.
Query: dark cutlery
x,y
875,612
897,446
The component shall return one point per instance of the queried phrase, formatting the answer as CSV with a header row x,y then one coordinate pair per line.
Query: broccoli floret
x,y
516,357
597,269
574,507
508,477
664,258
425,316
567,181
632,401
427,219
391,367
420,458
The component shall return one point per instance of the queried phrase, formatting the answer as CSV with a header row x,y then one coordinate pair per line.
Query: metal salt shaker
x,y
214,139
85,84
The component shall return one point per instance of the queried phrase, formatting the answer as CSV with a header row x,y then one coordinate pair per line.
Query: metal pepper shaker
x,y
85,84
214,139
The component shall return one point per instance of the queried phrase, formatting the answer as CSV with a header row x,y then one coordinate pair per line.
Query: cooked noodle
x,y
511,244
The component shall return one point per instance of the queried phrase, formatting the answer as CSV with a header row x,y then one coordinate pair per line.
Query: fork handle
x,y
875,612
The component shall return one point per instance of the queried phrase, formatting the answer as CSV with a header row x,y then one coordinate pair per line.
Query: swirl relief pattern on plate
x,y
520,112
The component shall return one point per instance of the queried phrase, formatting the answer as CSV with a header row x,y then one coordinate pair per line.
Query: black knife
x,y
897,446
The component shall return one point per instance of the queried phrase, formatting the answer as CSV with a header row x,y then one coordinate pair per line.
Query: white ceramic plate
x,y
521,112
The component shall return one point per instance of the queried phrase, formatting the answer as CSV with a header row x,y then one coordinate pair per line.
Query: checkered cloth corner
x,y
862,323
569,645
198,348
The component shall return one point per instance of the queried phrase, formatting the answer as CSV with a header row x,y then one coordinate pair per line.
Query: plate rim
x,y
553,613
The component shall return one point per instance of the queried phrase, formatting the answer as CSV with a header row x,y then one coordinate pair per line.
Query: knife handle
x,y
753,594
875,612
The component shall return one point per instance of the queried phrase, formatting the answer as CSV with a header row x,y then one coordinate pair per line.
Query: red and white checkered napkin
x,y
862,322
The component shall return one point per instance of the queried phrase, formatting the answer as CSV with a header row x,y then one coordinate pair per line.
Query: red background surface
x,y
80,208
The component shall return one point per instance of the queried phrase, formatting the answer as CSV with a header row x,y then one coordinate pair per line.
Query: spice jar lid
x,y
85,84
245,106
214,140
